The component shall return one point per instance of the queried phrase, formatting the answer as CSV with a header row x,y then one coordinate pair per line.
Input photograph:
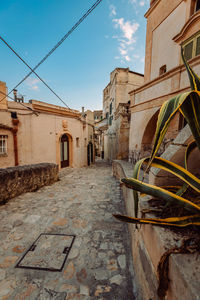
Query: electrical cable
x,y
29,108
31,70
59,43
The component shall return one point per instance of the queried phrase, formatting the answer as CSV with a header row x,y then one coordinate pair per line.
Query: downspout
x,y
15,122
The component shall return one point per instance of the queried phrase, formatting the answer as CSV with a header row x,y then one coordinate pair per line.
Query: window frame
x,y
4,147
194,47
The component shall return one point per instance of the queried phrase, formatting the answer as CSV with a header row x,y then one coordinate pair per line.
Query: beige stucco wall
x,y
39,137
159,11
164,50
3,91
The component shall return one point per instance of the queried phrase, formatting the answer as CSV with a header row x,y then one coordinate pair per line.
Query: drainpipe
x,y
15,122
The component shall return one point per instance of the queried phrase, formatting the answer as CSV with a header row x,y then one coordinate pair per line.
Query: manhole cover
x,y
49,252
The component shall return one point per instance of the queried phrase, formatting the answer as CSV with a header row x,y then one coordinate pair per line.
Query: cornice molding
x,y
196,17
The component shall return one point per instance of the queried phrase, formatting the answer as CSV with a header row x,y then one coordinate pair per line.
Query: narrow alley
x,y
81,204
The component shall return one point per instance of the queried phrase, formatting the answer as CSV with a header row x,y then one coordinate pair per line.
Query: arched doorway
x,y
64,151
148,136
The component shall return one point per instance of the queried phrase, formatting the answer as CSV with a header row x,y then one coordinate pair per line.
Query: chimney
x,y
15,95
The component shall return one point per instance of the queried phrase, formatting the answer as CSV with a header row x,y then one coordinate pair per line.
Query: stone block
x,y
22,179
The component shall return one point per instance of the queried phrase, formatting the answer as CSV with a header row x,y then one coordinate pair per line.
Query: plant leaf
x,y
190,147
166,114
190,109
193,77
159,193
136,174
177,222
177,170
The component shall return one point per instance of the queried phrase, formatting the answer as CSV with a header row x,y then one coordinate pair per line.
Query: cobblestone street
x,y
81,203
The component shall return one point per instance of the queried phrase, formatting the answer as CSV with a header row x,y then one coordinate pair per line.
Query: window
x,y
111,108
197,5
3,144
107,115
192,46
110,120
77,142
85,143
163,70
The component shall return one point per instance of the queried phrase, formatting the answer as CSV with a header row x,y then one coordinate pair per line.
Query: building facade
x,y
38,132
116,115
170,24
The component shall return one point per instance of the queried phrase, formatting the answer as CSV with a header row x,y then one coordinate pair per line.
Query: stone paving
x,y
81,203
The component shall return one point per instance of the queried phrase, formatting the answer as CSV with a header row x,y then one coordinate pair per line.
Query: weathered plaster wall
x,y
155,16
149,243
164,50
22,179
3,91
147,99
39,137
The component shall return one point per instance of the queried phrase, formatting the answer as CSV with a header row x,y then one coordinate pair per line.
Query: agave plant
x,y
188,104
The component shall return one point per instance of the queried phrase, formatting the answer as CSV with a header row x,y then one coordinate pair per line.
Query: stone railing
x,y
22,179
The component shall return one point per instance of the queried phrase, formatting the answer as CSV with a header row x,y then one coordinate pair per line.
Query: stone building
x,y
169,25
37,132
116,116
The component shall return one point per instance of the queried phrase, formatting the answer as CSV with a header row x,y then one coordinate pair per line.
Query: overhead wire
x,y
3,40
59,43
27,107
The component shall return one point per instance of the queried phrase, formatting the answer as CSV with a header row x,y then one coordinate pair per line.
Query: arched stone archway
x,y
148,136
65,150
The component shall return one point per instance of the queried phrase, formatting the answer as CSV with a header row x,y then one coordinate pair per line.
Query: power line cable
x,y
60,42
27,107
31,71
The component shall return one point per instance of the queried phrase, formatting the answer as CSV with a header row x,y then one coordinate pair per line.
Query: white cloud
x,y
128,29
122,51
127,58
142,3
113,11
32,83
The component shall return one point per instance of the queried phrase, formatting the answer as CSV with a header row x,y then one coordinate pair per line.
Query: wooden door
x,y
64,151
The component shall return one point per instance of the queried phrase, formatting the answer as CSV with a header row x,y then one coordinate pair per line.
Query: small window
x,y
111,108
85,142
197,5
110,120
163,70
107,115
3,144
77,142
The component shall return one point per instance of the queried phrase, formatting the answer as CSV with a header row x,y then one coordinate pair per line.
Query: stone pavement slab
x,y
81,204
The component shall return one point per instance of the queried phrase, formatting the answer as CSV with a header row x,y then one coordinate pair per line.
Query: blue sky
x,y
112,36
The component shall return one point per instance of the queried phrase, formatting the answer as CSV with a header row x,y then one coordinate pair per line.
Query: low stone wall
x,y
22,179
148,244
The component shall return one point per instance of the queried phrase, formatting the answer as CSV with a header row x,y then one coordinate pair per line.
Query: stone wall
x,y
148,245
22,179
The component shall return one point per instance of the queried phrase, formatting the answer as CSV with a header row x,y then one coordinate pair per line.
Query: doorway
x,y
90,153
64,151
